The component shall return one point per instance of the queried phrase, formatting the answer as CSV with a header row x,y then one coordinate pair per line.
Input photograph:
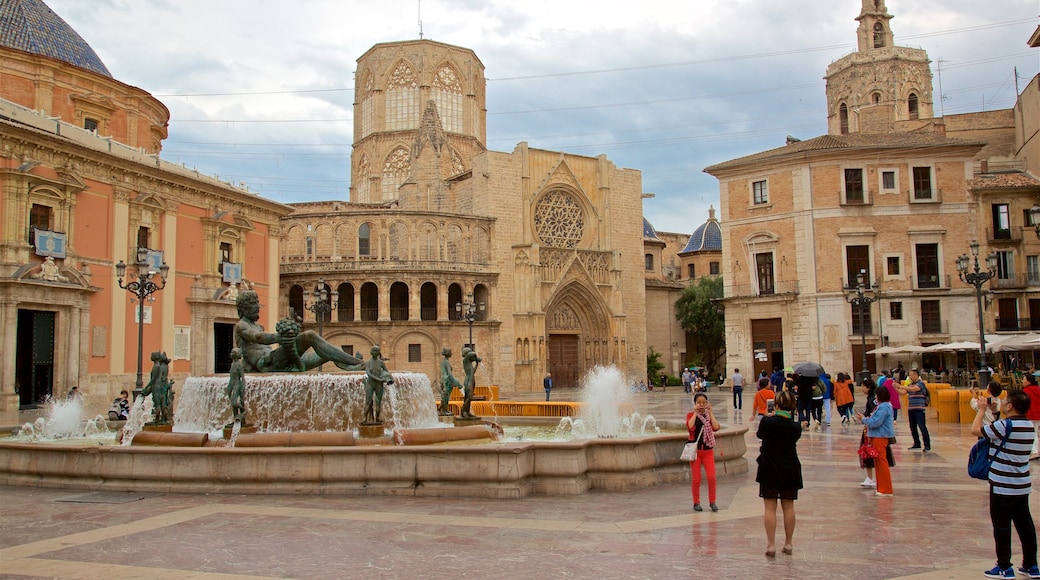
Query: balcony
x,y
1016,324
1010,282
751,290
931,282
1003,236
929,326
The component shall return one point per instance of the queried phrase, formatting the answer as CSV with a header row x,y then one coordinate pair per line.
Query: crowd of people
x,y
787,404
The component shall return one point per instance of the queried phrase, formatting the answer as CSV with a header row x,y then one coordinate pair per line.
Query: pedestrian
x,y
738,389
869,388
880,428
893,397
916,410
777,379
779,471
804,387
843,397
1010,484
818,389
702,425
1033,391
760,406
989,401
828,395
547,384
687,380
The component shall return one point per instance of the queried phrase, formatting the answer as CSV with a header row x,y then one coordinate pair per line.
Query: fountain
x,y
606,450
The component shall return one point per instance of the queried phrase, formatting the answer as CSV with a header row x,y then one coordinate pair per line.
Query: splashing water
x,y
304,402
140,413
605,398
63,420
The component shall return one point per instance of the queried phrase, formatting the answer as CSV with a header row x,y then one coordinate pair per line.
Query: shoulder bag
x,y
980,458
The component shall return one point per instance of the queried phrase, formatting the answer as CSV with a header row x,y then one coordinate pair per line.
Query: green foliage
x,y
701,315
653,365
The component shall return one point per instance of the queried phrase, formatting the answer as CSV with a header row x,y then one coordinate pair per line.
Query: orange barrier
x,y
300,439
522,408
934,389
947,405
168,439
964,407
480,393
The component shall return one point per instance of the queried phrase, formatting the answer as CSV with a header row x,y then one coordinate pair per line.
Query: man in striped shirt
x,y
1009,484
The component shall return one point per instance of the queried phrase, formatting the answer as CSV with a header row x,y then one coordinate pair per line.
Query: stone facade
x,y
897,204
545,241
73,204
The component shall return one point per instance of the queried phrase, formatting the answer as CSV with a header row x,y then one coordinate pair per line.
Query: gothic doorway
x,y
564,361
34,358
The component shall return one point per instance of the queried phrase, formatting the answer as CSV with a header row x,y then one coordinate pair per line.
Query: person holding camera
x,y
763,403
779,474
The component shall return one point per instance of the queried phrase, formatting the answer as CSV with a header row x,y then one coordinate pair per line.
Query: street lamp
x,y
862,296
977,277
141,287
468,311
322,306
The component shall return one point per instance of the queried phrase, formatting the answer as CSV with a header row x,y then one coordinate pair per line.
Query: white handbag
x,y
689,451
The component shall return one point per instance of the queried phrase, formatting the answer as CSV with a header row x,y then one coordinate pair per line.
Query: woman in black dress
x,y
779,471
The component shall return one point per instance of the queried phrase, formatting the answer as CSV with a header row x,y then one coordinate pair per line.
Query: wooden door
x,y
563,359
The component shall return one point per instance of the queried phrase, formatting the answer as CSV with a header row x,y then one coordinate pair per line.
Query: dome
x,y
649,233
708,237
30,26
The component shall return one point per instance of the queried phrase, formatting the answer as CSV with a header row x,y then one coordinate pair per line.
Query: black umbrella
x,y
808,369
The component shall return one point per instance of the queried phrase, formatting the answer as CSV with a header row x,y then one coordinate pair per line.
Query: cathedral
x,y
533,257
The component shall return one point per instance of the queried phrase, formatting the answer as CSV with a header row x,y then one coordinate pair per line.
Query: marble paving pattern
x,y
936,527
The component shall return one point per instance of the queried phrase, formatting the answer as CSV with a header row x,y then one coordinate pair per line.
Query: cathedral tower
x,y
419,115
879,85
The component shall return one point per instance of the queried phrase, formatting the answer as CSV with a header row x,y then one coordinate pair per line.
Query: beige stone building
x,y
546,244
83,187
891,192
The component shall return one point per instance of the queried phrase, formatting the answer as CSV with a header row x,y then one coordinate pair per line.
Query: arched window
x,y
364,235
876,98
454,297
843,117
428,301
369,302
402,99
447,93
296,301
345,306
395,170
879,35
363,183
398,301
482,297
911,103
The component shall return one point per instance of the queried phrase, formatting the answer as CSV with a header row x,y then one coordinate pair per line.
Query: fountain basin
x,y
510,470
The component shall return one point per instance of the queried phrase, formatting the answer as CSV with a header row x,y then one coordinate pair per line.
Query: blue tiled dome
x,y
708,237
648,231
30,26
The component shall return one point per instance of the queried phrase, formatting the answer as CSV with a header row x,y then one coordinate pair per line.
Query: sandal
x,y
770,553
788,551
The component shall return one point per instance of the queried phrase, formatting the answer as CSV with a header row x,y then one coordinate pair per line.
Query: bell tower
x,y
880,87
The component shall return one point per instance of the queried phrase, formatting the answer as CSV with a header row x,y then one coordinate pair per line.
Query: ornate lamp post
x,y
1034,218
977,277
141,287
862,296
322,306
468,311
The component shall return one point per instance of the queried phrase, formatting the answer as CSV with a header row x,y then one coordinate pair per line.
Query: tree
x,y
653,365
700,313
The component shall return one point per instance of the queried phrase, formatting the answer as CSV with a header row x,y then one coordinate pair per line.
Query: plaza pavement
x,y
935,527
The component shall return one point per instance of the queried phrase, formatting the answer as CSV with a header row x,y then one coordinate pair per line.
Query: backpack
x,y
980,458
926,393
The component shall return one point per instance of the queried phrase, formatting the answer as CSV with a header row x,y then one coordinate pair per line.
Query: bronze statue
x,y
160,388
236,388
470,360
448,381
298,351
376,376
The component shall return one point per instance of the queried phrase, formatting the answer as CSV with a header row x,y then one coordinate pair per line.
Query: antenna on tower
x,y
419,8
938,69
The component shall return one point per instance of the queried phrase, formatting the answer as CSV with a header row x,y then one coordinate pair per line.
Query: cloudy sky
x,y
261,91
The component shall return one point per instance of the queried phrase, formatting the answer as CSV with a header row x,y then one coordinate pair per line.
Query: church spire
x,y
874,30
